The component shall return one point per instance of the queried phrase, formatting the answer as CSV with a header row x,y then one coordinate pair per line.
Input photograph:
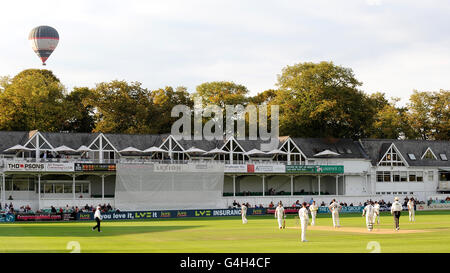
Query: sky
x,y
393,46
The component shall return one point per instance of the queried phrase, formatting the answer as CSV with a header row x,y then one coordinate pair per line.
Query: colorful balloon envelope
x,y
44,40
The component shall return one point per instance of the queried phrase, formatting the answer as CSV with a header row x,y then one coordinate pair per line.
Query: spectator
x,y
10,198
271,205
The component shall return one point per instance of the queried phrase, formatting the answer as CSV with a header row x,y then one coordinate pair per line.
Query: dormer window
x,y
392,158
429,154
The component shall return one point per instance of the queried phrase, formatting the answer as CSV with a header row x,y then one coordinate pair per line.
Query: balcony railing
x,y
140,161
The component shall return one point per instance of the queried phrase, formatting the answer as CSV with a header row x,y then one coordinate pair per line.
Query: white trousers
x,y
370,221
376,218
244,219
412,215
313,216
335,216
304,224
280,222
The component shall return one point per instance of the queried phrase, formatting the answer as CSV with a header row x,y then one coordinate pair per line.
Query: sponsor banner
x,y
95,167
190,167
39,167
235,168
139,215
315,169
269,168
437,206
343,210
25,167
7,218
39,217
254,168
59,167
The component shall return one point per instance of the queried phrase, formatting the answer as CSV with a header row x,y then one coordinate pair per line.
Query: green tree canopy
x,y
33,99
222,93
322,100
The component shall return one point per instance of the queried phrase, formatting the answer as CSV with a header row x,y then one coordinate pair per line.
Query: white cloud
x,y
373,2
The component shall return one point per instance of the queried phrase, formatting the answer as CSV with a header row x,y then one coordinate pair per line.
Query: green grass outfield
x,y
430,233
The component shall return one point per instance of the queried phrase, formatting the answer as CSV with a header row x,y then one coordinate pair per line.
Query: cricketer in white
x,y
244,214
412,214
279,214
304,219
313,208
334,209
369,212
377,212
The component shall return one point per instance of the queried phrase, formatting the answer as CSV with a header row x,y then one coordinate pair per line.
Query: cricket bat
x,y
284,222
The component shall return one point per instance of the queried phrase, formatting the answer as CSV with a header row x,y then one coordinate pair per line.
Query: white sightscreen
x,y
168,186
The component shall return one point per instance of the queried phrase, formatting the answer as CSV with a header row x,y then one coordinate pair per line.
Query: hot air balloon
x,y
44,40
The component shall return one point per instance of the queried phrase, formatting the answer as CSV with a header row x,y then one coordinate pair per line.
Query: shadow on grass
x,y
83,231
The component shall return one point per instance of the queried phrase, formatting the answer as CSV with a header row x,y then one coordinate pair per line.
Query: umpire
x,y
98,218
396,210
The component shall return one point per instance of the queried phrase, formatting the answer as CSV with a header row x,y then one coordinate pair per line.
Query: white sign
x,y
235,168
190,167
270,168
39,167
59,167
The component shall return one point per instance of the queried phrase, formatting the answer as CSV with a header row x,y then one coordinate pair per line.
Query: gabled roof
x,y
431,151
201,144
312,146
142,142
71,140
11,138
376,148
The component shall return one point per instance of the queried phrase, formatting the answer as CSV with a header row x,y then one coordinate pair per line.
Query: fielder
x,y
396,210
98,219
412,214
334,209
244,213
369,212
377,212
313,208
279,214
304,219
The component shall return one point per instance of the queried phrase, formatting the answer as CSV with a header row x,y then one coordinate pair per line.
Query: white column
x,y
318,178
37,148
263,180
234,185
39,191
100,150
3,188
292,185
337,185
231,151
73,186
103,187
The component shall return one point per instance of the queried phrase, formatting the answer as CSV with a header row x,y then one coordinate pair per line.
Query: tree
x,y
121,107
81,111
390,121
429,114
263,97
164,99
322,100
222,93
441,115
33,99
